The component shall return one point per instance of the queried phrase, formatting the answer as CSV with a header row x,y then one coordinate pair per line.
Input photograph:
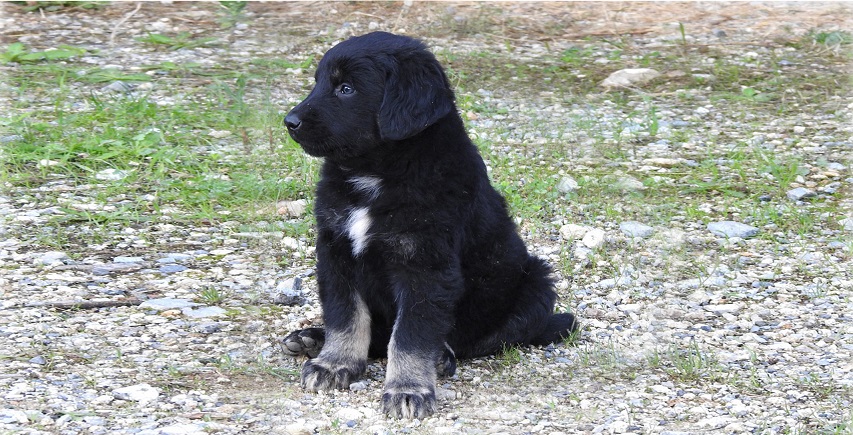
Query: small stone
x,y
167,304
732,229
567,185
630,77
573,231
594,238
628,183
13,416
11,138
800,193
349,414
182,429
127,260
208,327
137,393
111,174
52,258
358,386
719,33
799,129
203,312
636,229
724,308
118,86
106,269
292,208
172,268
847,224
40,360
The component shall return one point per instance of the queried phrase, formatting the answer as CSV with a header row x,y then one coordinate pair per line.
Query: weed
x,y
231,13
17,52
509,356
177,42
212,295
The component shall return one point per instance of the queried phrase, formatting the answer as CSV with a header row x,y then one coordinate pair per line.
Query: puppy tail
x,y
559,327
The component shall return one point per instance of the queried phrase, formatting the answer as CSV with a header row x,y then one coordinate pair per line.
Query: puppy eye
x,y
345,89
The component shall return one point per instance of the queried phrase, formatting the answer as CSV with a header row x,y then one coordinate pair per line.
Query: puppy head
x,y
370,91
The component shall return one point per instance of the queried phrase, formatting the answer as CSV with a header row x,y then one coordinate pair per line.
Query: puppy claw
x,y
304,342
316,376
408,404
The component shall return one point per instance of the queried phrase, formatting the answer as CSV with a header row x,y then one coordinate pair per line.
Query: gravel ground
x,y
702,328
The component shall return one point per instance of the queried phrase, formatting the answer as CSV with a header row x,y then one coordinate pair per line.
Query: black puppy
x,y
417,257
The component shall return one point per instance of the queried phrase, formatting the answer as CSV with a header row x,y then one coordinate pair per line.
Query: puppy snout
x,y
292,121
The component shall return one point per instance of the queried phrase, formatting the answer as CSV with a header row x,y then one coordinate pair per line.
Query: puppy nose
x,y
292,121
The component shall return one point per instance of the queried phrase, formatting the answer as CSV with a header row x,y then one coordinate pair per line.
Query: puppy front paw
x,y
304,342
408,403
320,375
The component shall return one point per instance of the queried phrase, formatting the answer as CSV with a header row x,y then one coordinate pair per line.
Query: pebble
x,y
111,174
573,231
567,185
167,304
630,77
594,238
202,312
172,268
636,229
732,229
52,258
137,393
800,193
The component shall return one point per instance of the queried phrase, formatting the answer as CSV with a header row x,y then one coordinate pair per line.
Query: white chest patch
x,y
370,186
357,225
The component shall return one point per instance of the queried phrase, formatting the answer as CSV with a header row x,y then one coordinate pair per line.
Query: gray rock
x,y
11,138
636,229
106,269
167,304
800,194
40,360
847,224
835,166
13,416
118,86
137,393
208,327
172,268
732,229
127,259
358,386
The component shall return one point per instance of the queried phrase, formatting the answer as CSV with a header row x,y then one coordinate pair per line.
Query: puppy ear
x,y
416,96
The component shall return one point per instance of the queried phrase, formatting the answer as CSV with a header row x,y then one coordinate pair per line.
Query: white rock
x,y
567,184
349,414
51,258
111,174
203,312
292,208
630,77
166,304
573,231
137,393
594,238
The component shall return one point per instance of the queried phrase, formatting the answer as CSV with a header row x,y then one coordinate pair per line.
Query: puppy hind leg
x,y
560,327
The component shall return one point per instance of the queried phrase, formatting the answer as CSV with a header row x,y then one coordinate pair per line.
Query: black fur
x,y
417,256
